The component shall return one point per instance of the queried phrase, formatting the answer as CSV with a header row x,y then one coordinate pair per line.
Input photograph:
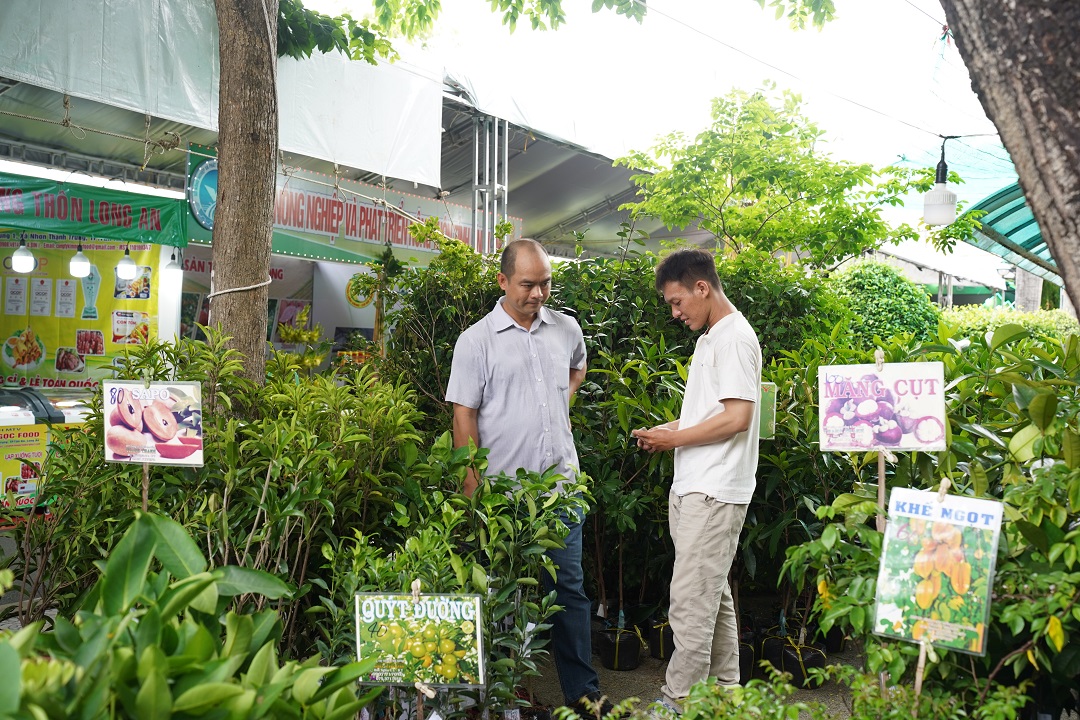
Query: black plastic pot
x,y
798,660
835,640
661,641
746,662
619,649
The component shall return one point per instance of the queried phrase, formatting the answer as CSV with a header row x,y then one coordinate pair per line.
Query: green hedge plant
x,y
154,638
884,303
1013,435
977,320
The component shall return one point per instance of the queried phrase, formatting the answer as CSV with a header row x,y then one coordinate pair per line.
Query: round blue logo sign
x,y
202,193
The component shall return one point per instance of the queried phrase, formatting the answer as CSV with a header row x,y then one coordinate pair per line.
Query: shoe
x,y
661,709
593,705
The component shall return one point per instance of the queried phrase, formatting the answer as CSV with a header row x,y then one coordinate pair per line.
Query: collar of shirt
x,y
501,320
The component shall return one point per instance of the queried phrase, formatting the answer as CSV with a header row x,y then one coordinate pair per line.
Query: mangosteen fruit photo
x,y
887,431
929,430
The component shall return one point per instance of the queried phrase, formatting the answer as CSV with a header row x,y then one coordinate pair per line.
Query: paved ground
x,y
644,683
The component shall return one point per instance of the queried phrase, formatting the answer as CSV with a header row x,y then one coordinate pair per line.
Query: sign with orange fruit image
x,y
155,423
433,639
937,569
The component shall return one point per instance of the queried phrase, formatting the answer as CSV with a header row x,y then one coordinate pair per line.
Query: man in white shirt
x,y
715,441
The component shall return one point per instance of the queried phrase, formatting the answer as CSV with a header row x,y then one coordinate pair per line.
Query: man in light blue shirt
x,y
510,382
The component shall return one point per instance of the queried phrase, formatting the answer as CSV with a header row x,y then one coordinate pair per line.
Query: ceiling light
x,y
22,260
939,205
126,269
79,265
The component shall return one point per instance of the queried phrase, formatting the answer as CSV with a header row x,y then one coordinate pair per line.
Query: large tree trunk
x,y
1024,62
247,166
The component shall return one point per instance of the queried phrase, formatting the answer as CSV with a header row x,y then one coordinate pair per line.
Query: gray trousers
x,y
702,612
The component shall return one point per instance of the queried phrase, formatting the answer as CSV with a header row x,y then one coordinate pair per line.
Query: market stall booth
x,y
86,275
326,230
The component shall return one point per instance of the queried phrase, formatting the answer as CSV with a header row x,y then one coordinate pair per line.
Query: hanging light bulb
x,y
173,266
173,273
939,205
126,269
22,260
79,265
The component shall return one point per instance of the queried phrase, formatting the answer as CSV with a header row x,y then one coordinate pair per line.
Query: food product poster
x,y
61,331
434,639
22,451
937,569
156,423
899,407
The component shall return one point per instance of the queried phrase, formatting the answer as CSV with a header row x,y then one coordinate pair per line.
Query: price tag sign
x,y
434,639
937,569
899,407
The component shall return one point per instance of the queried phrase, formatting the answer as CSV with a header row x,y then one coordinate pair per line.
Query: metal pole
x,y
506,171
487,184
476,185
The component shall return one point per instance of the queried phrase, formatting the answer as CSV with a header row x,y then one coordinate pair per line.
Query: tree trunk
x,y
1025,67
247,167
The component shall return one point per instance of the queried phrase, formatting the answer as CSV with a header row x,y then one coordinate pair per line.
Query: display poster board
x,y
22,452
434,639
900,406
937,569
63,332
155,423
767,422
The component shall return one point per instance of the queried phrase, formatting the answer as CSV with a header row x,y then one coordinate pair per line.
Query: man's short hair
x,y
510,252
686,267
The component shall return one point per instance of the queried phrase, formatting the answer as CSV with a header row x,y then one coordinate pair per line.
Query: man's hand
x,y
656,439
466,431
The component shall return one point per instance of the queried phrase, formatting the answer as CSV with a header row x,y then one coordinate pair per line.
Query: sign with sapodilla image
x,y
155,423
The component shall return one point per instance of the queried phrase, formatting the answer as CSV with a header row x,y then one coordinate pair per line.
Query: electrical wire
x,y
652,9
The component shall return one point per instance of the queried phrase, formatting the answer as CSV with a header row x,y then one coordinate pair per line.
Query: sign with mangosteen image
x,y
433,639
937,569
899,407
155,423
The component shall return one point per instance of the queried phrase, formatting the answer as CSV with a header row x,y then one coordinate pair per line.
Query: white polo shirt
x,y
726,364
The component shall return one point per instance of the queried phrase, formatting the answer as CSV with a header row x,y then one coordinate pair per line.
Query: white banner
x,y
382,119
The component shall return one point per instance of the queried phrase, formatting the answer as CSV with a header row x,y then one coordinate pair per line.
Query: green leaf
x,y
126,568
263,665
1004,334
1070,448
1023,394
345,675
154,701
176,549
181,593
479,578
1034,535
1043,409
307,684
233,580
1022,444
829,536
206,696
980,481
238,632
10,669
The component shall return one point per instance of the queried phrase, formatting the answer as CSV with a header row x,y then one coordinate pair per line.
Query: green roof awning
x,y
1008,230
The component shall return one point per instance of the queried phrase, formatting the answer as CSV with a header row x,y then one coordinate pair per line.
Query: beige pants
x,y
702,613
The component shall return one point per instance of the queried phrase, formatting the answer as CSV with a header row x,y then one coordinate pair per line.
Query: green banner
x,y
47,206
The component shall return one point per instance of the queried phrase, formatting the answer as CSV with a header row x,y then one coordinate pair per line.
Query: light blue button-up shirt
x,y
519,381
